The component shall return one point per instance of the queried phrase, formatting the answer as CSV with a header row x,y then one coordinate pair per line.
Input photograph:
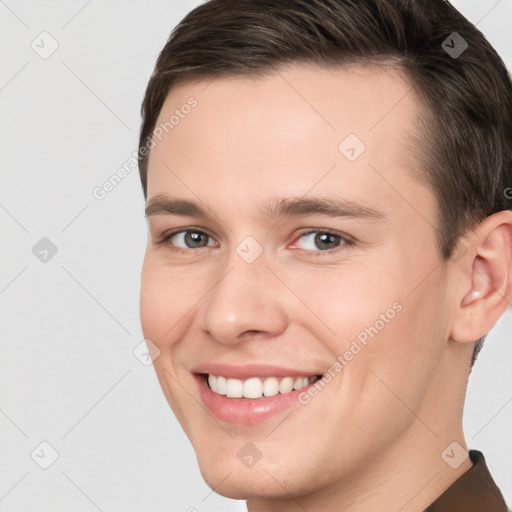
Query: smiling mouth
x,y
257,387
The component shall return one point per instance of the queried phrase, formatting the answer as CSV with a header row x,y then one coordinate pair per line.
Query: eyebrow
x,y
276,208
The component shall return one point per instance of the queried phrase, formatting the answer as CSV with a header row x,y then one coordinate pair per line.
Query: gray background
x,y
70,324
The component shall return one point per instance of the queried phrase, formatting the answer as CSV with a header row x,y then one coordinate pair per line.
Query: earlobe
x,y
488,264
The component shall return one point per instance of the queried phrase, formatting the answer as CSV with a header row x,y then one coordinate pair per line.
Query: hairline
x,y
416,145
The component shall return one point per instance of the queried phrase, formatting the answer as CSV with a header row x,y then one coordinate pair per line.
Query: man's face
x,y
244,293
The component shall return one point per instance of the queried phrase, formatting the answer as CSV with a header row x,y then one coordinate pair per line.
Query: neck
x,y
406,477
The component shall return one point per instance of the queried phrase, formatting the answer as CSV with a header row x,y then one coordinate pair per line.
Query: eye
x,y
184,239
321,241
313,241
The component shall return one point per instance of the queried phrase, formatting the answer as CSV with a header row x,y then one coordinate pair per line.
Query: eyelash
x,y
346,241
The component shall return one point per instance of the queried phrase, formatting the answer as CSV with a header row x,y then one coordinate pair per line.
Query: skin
x,y
373,438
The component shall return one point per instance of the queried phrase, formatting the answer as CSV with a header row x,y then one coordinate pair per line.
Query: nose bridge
x,y
244,298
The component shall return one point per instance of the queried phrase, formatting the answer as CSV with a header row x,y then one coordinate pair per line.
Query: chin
x,y
234,481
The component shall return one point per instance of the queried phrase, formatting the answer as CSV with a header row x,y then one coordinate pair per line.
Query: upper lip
x,y
242,372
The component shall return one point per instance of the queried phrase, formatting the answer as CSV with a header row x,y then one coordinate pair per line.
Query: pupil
x,y
322,240
193,238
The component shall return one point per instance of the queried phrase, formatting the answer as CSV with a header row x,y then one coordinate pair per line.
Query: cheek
x,y
351,303
402,359
377,321
165,300
167,295
155,304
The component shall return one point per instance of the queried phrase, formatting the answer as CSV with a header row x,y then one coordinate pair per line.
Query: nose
x,y
245,302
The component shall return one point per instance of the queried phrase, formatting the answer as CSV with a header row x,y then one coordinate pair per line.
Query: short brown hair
x,y
467,130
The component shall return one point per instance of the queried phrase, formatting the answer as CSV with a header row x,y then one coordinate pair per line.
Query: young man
x,y
330,239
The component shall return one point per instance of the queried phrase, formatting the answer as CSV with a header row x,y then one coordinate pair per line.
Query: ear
x,y
485,291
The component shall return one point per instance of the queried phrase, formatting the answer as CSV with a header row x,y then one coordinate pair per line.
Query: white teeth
x,y
286,385
253,388
256,387
300,382
221,385
234,388
270,386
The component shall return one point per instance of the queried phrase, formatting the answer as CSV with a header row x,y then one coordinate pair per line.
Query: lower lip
x,y
246,411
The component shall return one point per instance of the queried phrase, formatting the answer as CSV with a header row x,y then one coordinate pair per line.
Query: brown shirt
x,y
473,491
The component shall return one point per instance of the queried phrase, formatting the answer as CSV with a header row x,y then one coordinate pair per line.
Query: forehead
x,y
286,130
